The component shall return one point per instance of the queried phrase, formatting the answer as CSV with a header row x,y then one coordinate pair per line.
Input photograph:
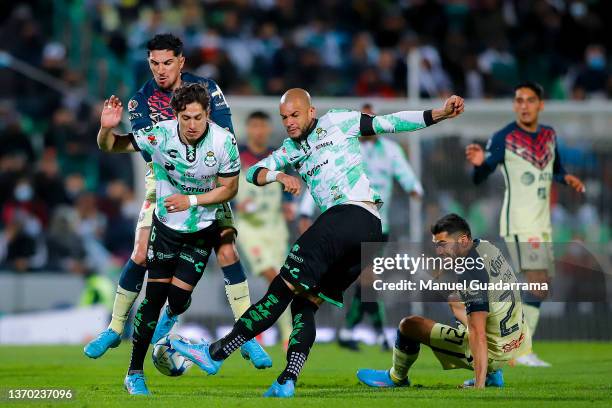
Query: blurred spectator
x,y
593,78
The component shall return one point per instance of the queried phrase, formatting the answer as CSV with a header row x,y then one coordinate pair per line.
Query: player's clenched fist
x,y
176,203
111,113
292,184
475,154
453,106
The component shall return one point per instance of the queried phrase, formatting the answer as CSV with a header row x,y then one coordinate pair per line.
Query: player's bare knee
x,y
409,324
227,255
139,255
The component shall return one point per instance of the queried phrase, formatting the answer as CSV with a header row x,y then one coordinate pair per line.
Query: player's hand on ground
x,y
176,203
292,184
575,183
453,107
111,113
474,153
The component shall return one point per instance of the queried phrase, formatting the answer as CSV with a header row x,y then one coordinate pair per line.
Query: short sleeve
x,y
229,165
138,111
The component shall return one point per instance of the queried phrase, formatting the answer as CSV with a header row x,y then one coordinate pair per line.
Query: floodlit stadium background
x,y
59,59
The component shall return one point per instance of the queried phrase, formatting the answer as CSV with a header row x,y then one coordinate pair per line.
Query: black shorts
x,y
181,254
326,259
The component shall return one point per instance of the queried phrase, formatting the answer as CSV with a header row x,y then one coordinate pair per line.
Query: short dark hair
x,y
166,42
451,223
258,115
534,86
189,93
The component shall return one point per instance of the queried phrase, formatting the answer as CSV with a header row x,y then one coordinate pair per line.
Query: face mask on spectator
x,y
596,61
23,192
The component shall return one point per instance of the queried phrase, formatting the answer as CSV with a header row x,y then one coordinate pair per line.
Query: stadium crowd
x,y
65,206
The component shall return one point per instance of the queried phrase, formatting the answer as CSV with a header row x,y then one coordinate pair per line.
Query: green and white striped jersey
x,y
186,169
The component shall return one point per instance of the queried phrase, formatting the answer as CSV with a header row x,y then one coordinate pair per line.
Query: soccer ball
x,y
167,360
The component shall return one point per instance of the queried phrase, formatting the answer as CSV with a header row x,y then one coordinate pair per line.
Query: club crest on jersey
x,y
132,105
210,160
321,133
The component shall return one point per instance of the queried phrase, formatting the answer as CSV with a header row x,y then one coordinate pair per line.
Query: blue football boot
x,y
135,384
379,379
276,390
252,350
164,325
494,379
105,340
199,354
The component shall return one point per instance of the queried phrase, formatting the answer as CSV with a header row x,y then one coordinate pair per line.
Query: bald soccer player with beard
x,y
325,260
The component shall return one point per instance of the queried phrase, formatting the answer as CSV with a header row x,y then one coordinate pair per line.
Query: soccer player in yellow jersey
x,y
527,153
492,332
262,213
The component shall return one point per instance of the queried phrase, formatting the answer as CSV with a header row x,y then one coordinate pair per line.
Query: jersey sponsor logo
x,y
219,98
169,166
514,344
132,105
162,256
337,195
296,258
189,189
316,168
200,251
527,178
186,257
152,140
173,153
190,174
325,144
135,115
210,160
150,254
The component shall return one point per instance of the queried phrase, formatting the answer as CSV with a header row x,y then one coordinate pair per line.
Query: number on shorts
x,y
505,331
458,336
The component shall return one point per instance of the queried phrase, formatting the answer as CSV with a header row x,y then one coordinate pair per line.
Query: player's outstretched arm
x,y
477,338
408,121
227,189
110,118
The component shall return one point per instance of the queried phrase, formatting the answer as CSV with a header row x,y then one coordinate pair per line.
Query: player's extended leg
x,y
411,333
130,283
284,321
237,291
302,338
532,301
258,318
144,325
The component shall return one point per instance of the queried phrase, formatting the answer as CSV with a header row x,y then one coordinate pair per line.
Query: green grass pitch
x,y
581,376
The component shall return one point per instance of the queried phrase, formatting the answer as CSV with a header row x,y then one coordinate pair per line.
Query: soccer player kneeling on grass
x,y
492,332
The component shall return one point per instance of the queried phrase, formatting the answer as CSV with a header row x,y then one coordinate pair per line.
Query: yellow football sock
x,y
124,300
401,363
238,298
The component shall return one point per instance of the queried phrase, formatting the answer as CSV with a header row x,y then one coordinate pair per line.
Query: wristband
x,y
193,200
271,176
